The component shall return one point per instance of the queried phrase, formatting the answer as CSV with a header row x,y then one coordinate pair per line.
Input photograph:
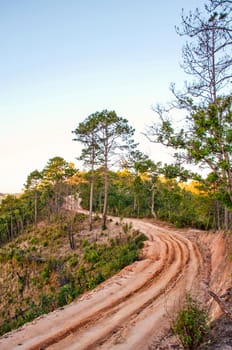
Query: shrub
x,y
91,254
65,295
73,261
34,240
191,323
140,238
45,273
46,302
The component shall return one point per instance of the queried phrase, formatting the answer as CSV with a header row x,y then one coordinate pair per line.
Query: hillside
x,y
134,308
47,266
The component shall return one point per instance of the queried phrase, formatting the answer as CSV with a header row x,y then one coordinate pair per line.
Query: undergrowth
x,y
190,324
43,274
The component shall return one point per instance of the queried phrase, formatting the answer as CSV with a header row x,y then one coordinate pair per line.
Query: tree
x,y
86,134
56,175
12,217
207,56
106,136
224,6
114,135
33,180
206,140
141,165
204,137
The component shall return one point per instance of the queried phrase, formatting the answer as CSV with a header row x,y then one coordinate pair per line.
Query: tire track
x,y
176,256
110,316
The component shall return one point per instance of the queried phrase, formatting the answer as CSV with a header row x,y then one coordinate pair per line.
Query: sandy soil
x,y
132,310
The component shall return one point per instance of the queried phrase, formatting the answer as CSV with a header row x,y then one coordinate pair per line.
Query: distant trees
x,y
143,190
12,218
43,196
142,167
55,181
105,136
32,184
147,195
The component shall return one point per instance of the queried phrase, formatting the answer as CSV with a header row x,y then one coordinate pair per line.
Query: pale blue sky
x,y
62,60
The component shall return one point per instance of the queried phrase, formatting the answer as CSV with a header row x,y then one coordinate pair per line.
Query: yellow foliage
x,y
77,178
145,176
124,173
192,186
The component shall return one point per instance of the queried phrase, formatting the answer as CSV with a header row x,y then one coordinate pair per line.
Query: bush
x,y
140,238
65,295
73,261
191,323
45,273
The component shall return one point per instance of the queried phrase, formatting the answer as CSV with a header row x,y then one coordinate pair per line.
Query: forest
x,y
131,193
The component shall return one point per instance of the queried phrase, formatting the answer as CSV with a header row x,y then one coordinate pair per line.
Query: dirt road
x,y
129,311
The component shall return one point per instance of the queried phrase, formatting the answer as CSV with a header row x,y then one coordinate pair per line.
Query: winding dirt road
x,y
128,311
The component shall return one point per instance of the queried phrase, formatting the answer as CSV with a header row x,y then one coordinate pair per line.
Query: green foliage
x,y
204,141
139,240
45,274
39,281
46,300
73,261
126,227
43,198
106,260
65,295
191,323
91,254
130,196
104,135
183,208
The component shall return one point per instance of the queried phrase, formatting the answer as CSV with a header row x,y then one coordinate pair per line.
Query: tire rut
x,y
102,318
176,252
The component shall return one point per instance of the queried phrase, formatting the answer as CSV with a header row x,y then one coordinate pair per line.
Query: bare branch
x,y
222,304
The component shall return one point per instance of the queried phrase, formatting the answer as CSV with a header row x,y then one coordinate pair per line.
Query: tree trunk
x,y
91,205
11,226
213,79
218,221
91,197
71,238
104,214
35,209
134,203
226,219
153,213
